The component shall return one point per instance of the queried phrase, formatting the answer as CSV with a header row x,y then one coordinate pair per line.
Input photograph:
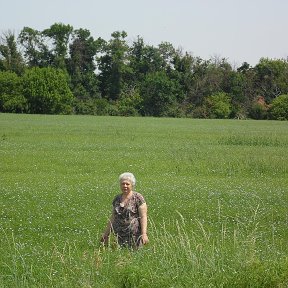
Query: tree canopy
x,y
67,70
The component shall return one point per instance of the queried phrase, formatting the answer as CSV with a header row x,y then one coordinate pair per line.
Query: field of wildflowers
x,y
217,192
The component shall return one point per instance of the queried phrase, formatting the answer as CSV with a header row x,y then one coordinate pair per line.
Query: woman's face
x,y
126,186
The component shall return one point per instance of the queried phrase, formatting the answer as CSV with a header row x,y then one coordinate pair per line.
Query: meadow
x,y
217,192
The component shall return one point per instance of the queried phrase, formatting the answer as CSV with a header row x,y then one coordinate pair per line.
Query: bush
x,y
14,104
258,109
47,91
159,94
130,103
85,107
218,105
279,108
11,98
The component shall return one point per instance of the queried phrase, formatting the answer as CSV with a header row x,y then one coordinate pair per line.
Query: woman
x,y
129,215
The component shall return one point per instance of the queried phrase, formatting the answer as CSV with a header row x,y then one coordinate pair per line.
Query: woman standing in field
x,y
128,221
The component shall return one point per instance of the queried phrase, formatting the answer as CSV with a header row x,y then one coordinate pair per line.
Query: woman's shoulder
x,y
137,194
117,198
139,197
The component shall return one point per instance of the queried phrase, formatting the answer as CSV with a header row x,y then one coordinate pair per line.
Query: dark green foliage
x,y
94,107
11,98
36,50
279,108
271,78
218,106
258,109
112,66
164,81
47,91
81,64
60,35
130,103
10,56
158,92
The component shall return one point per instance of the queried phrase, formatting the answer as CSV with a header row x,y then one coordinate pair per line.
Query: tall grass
x,y
216,191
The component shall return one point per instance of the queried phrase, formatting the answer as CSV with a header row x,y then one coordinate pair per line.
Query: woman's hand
x,y
104,239
105,236
145,239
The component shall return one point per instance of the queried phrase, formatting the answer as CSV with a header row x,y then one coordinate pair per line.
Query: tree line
x,y
62,70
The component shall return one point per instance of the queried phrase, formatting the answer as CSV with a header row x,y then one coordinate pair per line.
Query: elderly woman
x,y
128,221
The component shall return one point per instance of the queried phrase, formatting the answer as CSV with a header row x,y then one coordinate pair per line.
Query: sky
x,y
237,30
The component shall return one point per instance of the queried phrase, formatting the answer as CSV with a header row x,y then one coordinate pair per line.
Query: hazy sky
x,y
238,30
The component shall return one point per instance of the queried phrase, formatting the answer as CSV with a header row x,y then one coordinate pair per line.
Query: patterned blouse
x,y
126,224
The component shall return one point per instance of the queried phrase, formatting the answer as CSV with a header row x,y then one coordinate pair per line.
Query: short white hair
x,y
128,176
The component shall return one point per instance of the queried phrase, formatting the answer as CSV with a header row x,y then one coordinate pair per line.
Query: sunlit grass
x,y
217,192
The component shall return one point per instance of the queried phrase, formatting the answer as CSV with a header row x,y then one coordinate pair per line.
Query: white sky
x,y
238,30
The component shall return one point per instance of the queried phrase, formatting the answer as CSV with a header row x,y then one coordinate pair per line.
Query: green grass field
x,y
217,192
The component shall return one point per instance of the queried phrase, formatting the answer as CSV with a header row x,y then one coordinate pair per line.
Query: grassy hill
x,y
217,192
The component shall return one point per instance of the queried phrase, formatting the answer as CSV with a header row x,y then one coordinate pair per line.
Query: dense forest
x,y
62,70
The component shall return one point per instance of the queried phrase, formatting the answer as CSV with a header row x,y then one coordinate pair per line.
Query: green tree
x,y
59,34
47,91
10,57
168,54
183,70
215,77
197,83
147,60
130,102
11,98
218,105
258,109
241,83
159,95
81,68
113,65
279,108
144,59
271,78
136,58
35,48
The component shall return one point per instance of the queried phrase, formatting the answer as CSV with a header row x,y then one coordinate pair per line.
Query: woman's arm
x,y
143,222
